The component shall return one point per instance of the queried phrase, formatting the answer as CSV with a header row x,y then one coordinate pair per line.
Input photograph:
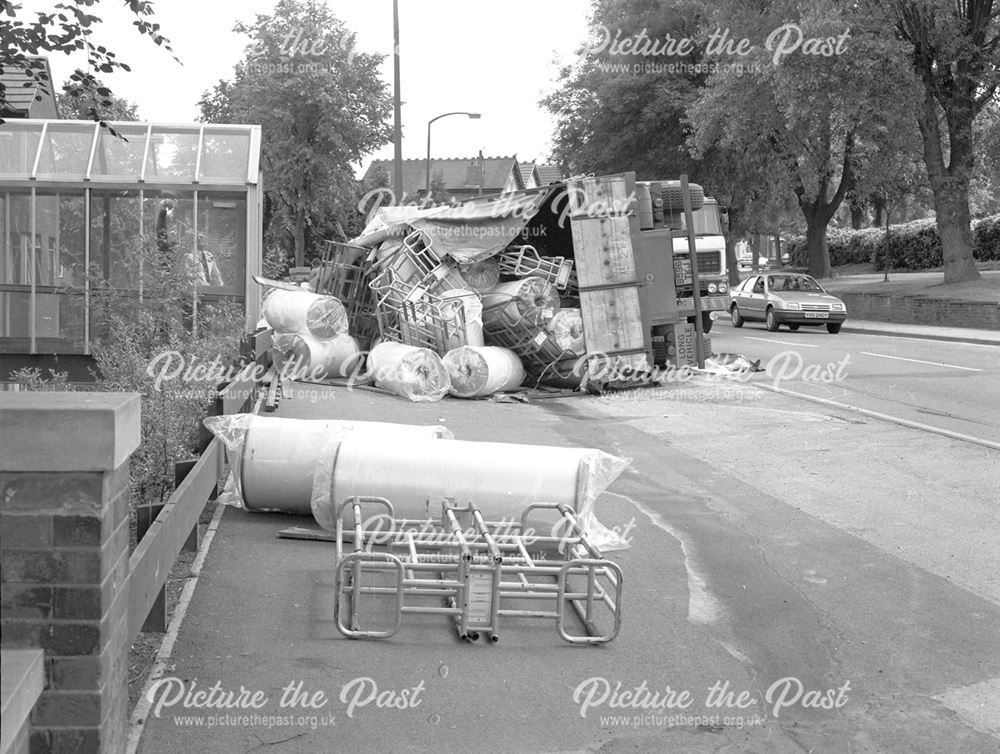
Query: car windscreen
x,y
793,283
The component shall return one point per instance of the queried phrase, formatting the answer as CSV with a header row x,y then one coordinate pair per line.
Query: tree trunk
x,y
951,184
735,232
878,204
819,258
857,215
954,223
299,235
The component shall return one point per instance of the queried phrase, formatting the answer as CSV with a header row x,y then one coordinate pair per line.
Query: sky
x,y
497,59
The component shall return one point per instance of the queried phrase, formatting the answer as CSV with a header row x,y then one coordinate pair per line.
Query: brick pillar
x,y
64,551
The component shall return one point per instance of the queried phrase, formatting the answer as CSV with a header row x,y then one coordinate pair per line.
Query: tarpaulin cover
x,y
468,233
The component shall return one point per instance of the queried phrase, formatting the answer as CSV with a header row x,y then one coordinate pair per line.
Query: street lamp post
x,y
427,185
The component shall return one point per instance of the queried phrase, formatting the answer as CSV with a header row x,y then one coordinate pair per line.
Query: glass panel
x,y
60,271
15,272
172,154
120,157
222,240
224,156
18,144
66,150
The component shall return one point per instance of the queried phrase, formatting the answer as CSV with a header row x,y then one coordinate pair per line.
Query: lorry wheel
x,y
793,326
833,327
706,321
736,316
673,197
771,321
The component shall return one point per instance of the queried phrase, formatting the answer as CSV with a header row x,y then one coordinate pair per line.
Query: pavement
x,y
855,574
958,334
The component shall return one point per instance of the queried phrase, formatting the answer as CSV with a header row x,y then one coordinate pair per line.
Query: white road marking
x,y
703,608
978,705
783,342
921,361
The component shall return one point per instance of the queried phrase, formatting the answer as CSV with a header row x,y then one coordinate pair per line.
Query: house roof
x,y
548,174
526,168
460,174
21,90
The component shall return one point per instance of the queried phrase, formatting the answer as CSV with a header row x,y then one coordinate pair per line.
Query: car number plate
x,y
816,315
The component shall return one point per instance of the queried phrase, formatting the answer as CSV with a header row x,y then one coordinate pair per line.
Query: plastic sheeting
x,y
273,460
566,327
325,359
414,373
483,371
501,479
301,312
481,276
468,233
532,300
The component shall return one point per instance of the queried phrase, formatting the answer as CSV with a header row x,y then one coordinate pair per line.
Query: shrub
x,y
910,246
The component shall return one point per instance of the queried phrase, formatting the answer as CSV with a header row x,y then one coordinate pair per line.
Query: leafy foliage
x,y
912,246
78,102
322,105
69,27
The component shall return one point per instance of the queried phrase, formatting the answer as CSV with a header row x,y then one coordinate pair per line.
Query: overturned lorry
x,y
586,281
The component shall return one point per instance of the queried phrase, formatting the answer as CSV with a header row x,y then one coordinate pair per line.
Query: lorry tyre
x,y
793,326
771,320
833,327
736,316
706,321
673,197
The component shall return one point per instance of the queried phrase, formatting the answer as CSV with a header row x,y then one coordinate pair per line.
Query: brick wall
x,y
919,310
64,552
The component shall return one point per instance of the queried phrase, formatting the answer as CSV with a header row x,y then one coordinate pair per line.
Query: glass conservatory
x,y
85,211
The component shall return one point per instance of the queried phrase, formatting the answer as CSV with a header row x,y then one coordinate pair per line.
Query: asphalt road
x,y
813,579
949,386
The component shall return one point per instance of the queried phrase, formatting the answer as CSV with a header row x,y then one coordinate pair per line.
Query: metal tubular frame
x,y
474,569
533,344
525,261
346,279
414,316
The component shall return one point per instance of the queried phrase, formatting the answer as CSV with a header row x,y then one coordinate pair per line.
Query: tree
x,y
801,115
322,105
619,112
77,102
954,50
69,27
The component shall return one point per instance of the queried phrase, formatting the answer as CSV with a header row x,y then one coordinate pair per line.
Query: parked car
x,y
785,298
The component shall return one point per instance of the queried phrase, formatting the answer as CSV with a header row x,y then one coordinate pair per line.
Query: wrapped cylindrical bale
x,y
301,312
469,325
501,479
277,457
478,371
414,373
325,359
567,330
481,276
531,299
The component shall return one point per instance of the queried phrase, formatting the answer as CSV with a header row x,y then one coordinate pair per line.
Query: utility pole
x,y
397,134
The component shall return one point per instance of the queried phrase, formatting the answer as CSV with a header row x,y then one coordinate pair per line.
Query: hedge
x,y
911,246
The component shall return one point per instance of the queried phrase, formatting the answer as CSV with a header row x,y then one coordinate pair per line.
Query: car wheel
x,y
833,327
736,316
793,326
771,320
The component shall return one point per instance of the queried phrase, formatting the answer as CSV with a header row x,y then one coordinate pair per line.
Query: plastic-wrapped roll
x,y
302,312
567,331
501,479
483,371
325,359
532,299
481,276
277,457
472,307
414,373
